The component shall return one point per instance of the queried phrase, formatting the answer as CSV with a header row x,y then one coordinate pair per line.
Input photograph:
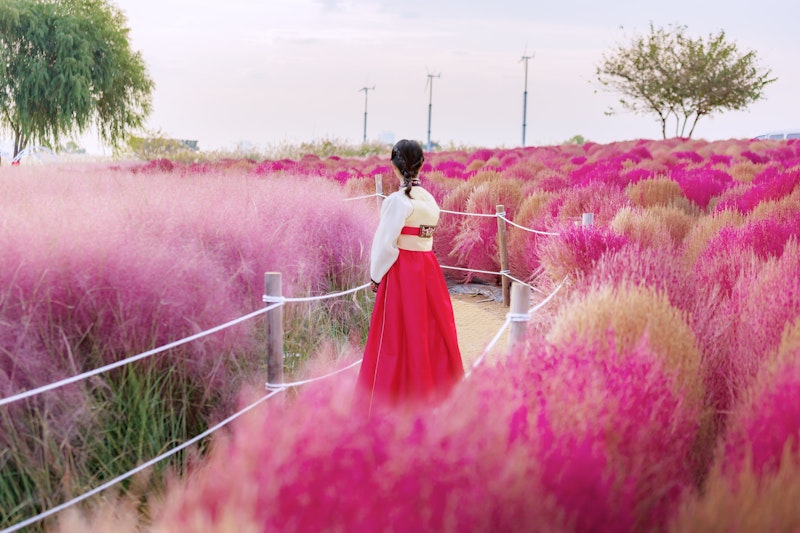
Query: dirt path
x,y
478,319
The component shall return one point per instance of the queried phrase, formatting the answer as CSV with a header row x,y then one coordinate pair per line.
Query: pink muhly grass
x,y
98,266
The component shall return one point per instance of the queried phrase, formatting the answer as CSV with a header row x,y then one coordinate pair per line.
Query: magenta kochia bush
x,y
659,268
551,440
576,249
766,422
765,300
700,185
732,249
772,183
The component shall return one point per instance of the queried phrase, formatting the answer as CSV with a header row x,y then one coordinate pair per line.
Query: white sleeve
x,y
394,212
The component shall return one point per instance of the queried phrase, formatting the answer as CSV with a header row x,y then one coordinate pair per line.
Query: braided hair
x,y
407,157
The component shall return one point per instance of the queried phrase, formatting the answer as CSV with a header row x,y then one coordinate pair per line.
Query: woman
x,y
412,351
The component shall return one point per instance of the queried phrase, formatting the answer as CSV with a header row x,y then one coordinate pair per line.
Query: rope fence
x,y
516,320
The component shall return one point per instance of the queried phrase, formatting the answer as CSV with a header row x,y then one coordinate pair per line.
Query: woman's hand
x,y
374,286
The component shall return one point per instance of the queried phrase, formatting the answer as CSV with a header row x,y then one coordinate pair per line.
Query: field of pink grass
x,y
650,393
98,264
119,262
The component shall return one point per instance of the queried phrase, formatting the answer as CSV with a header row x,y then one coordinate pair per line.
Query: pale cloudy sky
x,y
272,71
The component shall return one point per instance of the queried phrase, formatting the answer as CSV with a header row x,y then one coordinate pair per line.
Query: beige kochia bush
x,y
706,228
657,191
627,315
749,503
655,226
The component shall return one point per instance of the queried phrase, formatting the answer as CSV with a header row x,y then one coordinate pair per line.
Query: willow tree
x,y
674,76
67,65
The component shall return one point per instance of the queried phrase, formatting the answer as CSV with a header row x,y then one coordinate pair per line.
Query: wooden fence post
x,y
272,287
520,299
503,246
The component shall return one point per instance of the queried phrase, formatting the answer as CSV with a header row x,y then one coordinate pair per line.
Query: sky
x,y
250,73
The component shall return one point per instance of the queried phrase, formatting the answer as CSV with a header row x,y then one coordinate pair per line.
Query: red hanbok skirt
x,y
412,353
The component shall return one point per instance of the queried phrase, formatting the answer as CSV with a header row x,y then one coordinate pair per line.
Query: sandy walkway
x,y
477,322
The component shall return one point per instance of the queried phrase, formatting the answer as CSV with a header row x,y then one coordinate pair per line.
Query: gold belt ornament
x,y
426,232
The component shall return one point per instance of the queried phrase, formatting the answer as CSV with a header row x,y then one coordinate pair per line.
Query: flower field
x,y
657,392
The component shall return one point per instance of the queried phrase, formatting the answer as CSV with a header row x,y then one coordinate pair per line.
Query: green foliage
x,y
66,65
578,139
326,147
138,413
155,145
671,75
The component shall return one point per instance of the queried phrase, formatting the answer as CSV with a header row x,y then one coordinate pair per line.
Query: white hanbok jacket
x,y
399,210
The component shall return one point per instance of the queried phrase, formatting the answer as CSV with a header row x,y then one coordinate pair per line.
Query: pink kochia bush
x,y
763,303
553,439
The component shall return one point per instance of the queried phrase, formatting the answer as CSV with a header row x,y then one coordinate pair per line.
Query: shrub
x,y
575,250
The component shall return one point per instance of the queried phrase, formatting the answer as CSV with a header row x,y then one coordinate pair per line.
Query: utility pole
x,y
525,96
430,104
366,91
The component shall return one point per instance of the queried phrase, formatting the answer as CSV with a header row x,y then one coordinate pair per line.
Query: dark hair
x,y
407,157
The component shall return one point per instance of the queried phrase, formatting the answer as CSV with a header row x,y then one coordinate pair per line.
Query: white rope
x,y
489,347
282,299
123,362
468,214
138,469
512,278
513,317
549,297
281,386
471,270
527,229
374,195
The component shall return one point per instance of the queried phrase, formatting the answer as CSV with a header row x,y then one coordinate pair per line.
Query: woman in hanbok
x,y
411,355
